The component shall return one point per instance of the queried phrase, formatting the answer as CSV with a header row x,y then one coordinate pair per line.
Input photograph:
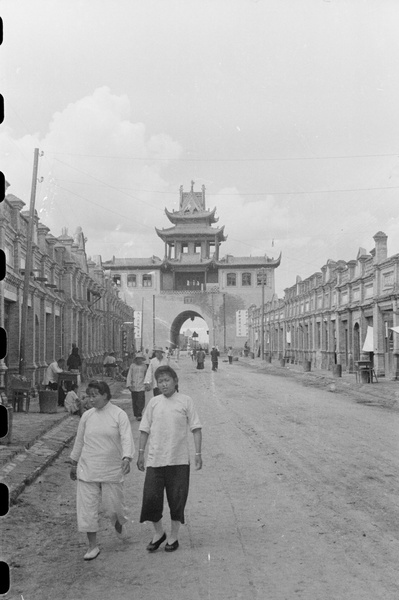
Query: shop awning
x,y
368,345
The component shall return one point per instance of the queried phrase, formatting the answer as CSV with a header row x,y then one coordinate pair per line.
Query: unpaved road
x,y
298,498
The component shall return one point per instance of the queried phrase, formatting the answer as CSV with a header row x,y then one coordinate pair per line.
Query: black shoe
x,y
152,546
118,527
172,547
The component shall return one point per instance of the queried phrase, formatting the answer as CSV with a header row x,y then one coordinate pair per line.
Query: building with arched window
x,y
71,299
192,279
349,311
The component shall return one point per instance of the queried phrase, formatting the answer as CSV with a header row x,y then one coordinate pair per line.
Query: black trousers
x,y
138,402
173,479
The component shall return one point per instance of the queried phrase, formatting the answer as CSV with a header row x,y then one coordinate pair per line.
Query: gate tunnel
x,y
177,324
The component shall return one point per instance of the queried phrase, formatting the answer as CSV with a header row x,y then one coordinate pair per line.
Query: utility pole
x,y
262,274
153,321
142,324
28,267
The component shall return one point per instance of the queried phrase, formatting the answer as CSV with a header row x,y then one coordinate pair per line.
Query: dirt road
x,y
298,498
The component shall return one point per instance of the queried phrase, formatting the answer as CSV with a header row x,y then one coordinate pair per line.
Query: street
x,y
298,498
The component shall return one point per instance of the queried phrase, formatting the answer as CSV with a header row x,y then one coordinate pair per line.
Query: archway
x,y
178,322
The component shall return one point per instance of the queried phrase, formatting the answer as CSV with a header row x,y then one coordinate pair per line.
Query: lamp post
x,y
262,277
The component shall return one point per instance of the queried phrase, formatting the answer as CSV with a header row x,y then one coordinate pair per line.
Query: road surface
x,y
298,498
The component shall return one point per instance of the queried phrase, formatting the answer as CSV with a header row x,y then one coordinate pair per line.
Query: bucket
x,y
337,370
48,401
307,365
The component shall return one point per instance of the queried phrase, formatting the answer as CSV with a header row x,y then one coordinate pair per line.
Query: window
x,y
368,290
131,281
261,278
197,247
211,249
246,279
9,252
356,294
387,279
231,279
184,248
117,279
147,280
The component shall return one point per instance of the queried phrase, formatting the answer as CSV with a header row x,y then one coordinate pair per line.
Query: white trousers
x,y
90,495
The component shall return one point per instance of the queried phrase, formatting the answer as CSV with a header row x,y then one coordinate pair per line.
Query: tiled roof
x,y
190,229
230,261
132,262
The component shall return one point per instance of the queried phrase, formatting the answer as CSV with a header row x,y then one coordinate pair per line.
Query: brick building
x,y
70,298
192,279
326,318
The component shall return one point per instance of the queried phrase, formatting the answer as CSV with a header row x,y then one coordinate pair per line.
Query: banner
x,y
242,323
137,324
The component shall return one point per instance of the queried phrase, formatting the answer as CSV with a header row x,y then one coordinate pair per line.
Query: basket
x,y
48,401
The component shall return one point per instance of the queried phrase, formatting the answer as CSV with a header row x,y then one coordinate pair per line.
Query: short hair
x,y
166,369
101,386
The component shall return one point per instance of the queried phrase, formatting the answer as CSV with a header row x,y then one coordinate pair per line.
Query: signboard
x,y
137,324
242,323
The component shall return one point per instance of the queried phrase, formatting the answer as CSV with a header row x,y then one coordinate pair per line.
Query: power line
x,y
264,159
269,193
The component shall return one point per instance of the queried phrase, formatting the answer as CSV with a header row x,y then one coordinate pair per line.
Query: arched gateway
x,y
192,278
177,324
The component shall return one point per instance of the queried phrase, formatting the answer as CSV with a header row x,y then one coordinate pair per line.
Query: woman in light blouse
x,y
165,423
100,459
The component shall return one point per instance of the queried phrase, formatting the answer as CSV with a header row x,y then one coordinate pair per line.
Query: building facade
x,y
326,318
70,298
192,280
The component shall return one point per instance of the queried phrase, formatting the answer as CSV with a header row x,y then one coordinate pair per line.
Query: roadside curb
x,y
13,452
28,465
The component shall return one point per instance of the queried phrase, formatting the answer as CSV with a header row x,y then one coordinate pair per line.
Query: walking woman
x,y
166,422
200,358
100,460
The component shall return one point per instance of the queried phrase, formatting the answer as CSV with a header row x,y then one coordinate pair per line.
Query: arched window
x,y
231,279
117,279
147,280
131,281
246,279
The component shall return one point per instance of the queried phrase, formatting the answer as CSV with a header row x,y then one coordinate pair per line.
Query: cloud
x,y
101,169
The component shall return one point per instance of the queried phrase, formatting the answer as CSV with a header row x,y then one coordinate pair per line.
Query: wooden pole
x,y
28,268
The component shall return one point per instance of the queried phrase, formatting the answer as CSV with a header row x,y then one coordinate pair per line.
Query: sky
x,y
286,111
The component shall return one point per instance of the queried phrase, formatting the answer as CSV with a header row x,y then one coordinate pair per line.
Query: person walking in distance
x,y
200,358
230,355
159,360
135,383
215,358
165,424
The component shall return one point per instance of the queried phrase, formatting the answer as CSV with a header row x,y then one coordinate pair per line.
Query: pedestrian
x,y
110,364
230,355
51,376
135,383
100,460
166,422
200,358
50,380
74,361
72,402
158,360
215,358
